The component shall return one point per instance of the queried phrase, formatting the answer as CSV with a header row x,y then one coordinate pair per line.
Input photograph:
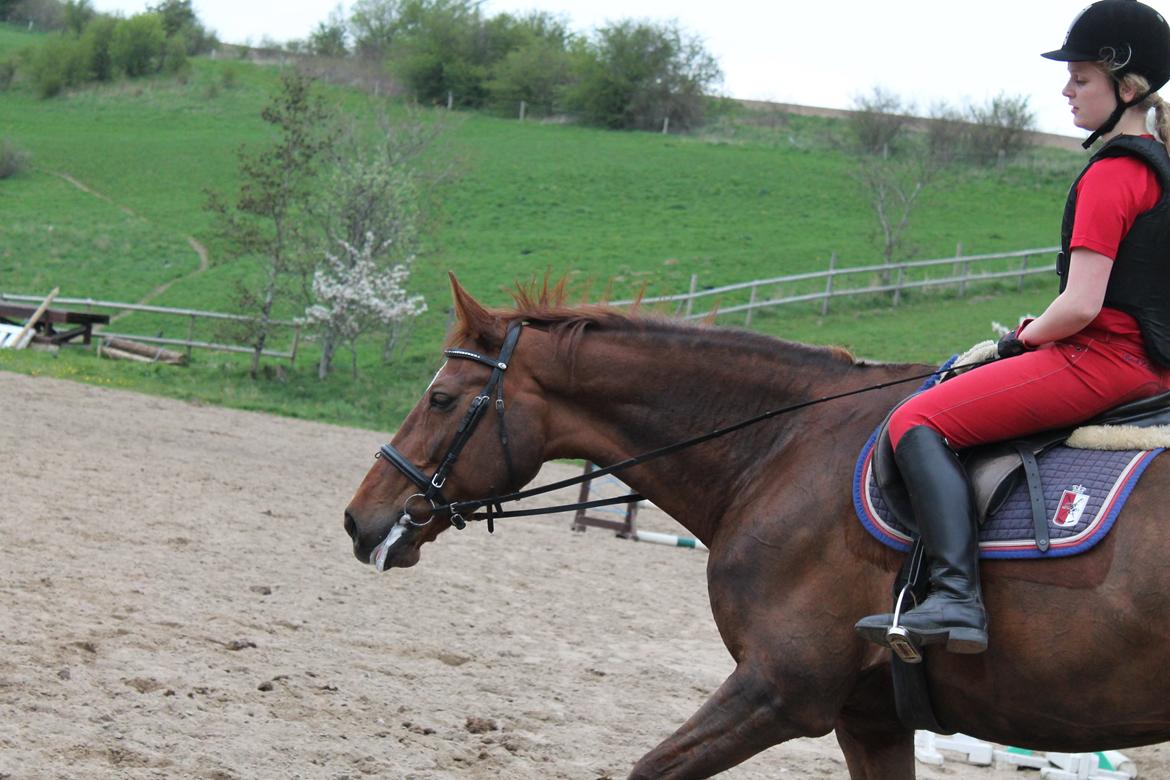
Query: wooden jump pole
x,y
32,321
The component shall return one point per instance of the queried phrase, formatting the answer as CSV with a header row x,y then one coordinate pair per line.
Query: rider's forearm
x,y
1062,318
1076,307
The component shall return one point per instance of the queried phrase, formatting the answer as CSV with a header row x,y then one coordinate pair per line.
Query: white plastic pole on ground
x,y
668,539
1105,765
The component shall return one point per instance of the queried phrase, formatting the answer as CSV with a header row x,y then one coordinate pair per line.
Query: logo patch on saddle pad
x,y
1084,490
1070,507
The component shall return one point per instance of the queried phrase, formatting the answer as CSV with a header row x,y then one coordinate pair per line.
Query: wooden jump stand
x,y
582,521
43,321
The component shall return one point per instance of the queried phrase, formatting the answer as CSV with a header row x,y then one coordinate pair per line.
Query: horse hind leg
x,y
745,716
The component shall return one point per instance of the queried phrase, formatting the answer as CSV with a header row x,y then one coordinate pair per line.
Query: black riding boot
x,y
941,498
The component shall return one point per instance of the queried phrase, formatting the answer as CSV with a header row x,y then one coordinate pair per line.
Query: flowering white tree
x,y
355,294
370,206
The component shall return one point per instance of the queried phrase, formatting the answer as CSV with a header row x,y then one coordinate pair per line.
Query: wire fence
x,y
894,280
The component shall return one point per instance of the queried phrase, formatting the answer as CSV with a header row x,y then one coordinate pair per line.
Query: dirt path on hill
x,y
199,249
178,600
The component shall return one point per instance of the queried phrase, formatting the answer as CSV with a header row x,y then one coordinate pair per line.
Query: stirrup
x,y
900,640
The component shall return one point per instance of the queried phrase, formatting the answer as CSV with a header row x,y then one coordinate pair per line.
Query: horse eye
x,y
441,401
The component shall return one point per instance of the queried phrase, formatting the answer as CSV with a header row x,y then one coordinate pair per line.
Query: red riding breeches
x,y
1060,384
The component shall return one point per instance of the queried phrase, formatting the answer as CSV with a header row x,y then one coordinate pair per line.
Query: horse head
x,y
476,432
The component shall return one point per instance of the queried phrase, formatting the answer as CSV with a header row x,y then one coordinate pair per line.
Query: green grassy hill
x,y
114,198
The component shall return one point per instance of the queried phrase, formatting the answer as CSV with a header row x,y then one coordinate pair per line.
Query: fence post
x,y
450,100
691,295
964,269
751,306
292,358
190,336
522,107
665,125
898,284
829,284
1023,272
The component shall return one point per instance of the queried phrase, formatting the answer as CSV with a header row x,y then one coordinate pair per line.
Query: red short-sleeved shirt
x,y
1110,196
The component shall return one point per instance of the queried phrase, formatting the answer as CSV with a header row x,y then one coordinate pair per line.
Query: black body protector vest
x,y
1139,283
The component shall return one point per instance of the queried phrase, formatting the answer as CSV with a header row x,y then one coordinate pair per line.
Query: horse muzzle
x,y
385,547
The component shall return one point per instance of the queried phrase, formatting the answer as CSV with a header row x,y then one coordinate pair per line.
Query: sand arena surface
x,y
178,600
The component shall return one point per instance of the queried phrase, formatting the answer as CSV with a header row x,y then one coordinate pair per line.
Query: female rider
x,y
1104,340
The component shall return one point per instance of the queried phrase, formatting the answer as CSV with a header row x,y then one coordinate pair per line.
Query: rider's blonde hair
x,y
1161,108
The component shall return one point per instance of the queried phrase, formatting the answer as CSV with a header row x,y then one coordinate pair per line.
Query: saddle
x,y
995,470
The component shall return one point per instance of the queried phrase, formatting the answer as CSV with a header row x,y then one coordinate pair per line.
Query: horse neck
x,y
621,393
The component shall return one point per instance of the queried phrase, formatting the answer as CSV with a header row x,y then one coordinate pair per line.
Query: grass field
x,y
616,212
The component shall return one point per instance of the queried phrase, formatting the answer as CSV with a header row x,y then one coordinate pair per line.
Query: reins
x,y
494,504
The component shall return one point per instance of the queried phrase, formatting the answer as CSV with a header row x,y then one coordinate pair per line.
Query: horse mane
x,y
546,304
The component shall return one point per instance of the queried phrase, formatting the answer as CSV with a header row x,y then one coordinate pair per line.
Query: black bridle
x,y
432,486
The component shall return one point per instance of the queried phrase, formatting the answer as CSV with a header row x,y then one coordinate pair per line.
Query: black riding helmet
x,y
1129,37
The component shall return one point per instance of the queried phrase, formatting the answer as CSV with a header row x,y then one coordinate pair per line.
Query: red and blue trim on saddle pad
x,y
1084,491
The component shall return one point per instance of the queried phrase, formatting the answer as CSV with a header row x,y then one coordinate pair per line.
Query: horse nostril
x,y
350,526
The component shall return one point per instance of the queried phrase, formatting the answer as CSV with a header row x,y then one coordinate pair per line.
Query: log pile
x,y
124,349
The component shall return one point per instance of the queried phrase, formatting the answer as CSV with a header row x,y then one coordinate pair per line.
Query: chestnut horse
x,y
1079,646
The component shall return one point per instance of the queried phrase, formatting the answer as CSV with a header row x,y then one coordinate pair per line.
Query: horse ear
x,y
476,321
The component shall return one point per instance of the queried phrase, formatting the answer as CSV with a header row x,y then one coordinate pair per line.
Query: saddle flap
x,y
994,470
994,474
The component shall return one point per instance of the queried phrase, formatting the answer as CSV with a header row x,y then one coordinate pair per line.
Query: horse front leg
x,y
746,715
877,753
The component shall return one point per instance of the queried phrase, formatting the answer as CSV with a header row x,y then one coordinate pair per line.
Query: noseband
x,y
432,486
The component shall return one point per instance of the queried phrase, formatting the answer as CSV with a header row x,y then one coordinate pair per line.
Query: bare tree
x,y
896,165
879,121
266,220
1000,129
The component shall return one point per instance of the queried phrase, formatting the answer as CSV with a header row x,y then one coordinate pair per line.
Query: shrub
x,y
96,40
537,73
179,21
56,64
13,159
536,67
879,121
137,44
633,75
1001,129
444,47
175,60
76,15
7,73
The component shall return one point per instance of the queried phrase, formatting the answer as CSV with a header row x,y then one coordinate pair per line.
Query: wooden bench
x,y
83,322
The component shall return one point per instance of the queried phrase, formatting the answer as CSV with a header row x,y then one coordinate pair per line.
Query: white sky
x,y
812,53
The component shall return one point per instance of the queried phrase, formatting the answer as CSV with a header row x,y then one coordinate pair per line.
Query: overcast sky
x,y
813,53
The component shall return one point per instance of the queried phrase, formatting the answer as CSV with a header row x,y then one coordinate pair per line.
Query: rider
x,y
1103,341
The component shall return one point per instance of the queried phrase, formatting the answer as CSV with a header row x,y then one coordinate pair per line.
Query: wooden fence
x,y
961,271
191,316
